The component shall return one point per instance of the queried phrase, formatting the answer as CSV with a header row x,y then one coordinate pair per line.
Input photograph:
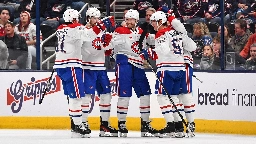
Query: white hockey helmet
x,y
159,15
93,12
132,14
71,14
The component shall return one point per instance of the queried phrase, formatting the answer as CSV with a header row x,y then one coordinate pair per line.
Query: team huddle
x,y
80,59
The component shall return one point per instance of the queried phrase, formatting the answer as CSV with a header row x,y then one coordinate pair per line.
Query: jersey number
x,y
61,38
177,44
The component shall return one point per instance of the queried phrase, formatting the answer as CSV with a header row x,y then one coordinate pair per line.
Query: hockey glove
x,y
148,53
106,39
108,52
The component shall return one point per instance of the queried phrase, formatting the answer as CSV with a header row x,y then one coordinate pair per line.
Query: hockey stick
x,y
47,86
183,121
197,79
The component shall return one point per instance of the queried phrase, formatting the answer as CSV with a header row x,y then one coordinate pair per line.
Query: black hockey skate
x,y
147,131
179,129
83,130
106,130
168,131
191,129
122,129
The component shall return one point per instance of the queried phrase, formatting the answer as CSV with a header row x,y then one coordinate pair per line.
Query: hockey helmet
x,y
159,15
71,14
132,14
93,12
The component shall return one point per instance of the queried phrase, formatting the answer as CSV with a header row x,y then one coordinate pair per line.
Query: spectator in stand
x,y
202,37
142,5
11,5
241,36
29,6
77,5
4,18
189,11
227,34
228,5
245,53
251,62
227,48
212,12
28,31
54,12
4,54
239,6
207,58
17,47
249,13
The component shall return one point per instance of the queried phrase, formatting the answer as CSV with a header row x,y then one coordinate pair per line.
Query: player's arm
x,y
188,43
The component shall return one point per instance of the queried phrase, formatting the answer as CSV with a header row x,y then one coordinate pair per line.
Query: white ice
x,y
63,137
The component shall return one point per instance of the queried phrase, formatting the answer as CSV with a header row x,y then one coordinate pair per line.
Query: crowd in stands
x,y
18,30
201,18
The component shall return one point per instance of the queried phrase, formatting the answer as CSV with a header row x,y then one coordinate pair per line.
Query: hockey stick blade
x,y
197,79
47,86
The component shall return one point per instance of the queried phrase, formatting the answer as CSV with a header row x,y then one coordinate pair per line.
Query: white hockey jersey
x,y
126,42
29,34
68,51
169,47
93,52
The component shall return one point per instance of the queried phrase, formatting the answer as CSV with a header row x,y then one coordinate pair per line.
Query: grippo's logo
x,y
20,92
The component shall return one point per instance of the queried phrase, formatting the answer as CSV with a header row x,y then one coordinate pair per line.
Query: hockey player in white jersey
x,y
68,65
94,71
168,54
185,97
130,73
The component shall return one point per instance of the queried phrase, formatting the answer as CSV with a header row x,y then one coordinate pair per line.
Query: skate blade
x,y
167,135
147,134
123,134
179,135
107,134
85,136
190,135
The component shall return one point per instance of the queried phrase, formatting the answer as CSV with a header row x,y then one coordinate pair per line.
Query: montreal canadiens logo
x,y
135,47
96,43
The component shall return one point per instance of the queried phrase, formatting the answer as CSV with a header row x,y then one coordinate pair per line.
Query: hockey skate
x,y
179,129
168,131
147,131
82,130
72,125
122,129
106,130
191,129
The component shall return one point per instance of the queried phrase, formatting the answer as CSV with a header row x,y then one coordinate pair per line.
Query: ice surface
x,y
63,137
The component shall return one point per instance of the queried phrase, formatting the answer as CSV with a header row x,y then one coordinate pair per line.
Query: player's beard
x,y
130,25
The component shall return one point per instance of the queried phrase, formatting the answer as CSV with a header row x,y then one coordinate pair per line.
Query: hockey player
x,y
68,65
94,71
168,54
130,73
186,88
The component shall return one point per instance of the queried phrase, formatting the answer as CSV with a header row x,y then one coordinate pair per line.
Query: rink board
x,y
225,103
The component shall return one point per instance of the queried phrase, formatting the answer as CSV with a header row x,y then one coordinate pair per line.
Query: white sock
x,y
85,107
105,106
166,107
145,107
175,112
189,106
75,111
122,108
